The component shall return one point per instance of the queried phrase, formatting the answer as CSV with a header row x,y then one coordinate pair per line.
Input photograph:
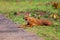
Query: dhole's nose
x,y
25,18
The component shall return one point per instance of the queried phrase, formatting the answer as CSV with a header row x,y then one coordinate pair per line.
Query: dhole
x,y
31,21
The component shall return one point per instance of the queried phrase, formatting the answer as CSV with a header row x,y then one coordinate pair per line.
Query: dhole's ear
x,y
27,15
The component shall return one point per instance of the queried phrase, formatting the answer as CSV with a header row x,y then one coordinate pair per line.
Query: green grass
x,y
47,32
23,6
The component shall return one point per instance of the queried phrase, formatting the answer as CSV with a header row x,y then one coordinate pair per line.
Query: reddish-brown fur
x,y
31,21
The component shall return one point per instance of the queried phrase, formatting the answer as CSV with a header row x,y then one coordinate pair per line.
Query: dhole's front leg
x,y
28,24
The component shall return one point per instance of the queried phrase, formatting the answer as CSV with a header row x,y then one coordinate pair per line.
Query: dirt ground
x,y
10,31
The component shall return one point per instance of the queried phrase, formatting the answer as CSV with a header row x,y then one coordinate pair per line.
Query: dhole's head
x,y
26,17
